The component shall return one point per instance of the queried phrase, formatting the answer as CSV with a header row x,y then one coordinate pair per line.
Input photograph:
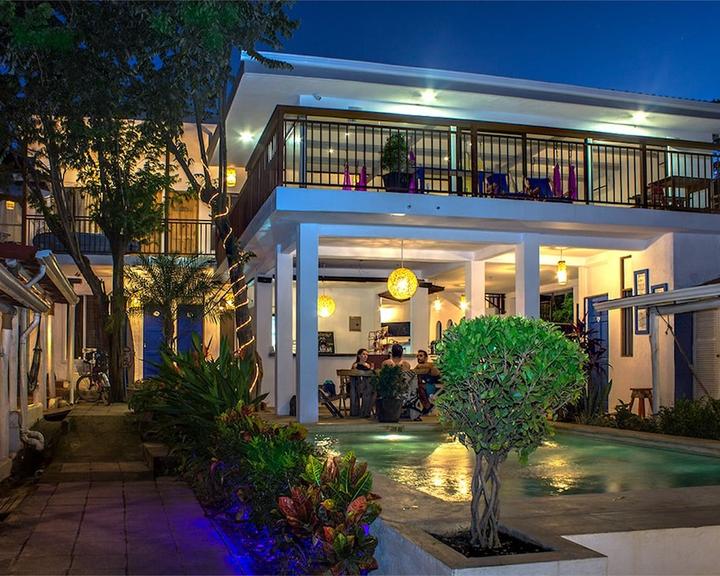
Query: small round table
x,y
641,394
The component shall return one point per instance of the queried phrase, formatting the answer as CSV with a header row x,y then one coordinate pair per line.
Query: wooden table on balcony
x,y
676,192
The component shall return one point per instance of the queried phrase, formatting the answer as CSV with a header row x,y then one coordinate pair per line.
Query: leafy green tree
x,y
168,281
205,40
78,76
82,74
502,377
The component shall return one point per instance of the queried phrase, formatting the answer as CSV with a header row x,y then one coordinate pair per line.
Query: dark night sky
x,y
666,48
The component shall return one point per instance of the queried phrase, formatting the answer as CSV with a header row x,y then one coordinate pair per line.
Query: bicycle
x,y
94,385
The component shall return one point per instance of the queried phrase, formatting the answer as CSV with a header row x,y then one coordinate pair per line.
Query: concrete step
x,y
158,459
96,472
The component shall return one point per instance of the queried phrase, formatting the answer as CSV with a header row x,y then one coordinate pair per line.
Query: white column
x,y
284,368
263,330
420,320
527,277
306,323
70,348
475,288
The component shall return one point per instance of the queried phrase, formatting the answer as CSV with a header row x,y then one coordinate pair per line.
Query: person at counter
x,y
396,358
428,378
361,361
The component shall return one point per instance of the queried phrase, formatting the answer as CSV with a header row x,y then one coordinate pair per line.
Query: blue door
x,y
152,340
597,326
189,322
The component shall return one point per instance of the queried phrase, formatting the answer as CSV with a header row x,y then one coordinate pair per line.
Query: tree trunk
x,y
118,328
485,503
168,327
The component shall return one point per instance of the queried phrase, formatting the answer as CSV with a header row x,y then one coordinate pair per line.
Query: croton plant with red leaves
x,y
333,507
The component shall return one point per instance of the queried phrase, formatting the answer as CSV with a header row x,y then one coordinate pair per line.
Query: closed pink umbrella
x,y
347,185
557,182
412,187
572,183
362,180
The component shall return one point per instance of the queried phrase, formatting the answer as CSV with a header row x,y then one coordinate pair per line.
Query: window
x,y
627,331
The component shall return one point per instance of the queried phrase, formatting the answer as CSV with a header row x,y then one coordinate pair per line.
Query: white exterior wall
x,y
603,277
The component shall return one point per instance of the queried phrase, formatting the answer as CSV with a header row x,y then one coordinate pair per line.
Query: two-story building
x,y
511,196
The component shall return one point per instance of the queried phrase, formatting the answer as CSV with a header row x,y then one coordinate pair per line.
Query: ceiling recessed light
x,y
428,96
639,116
331,151
397,213
246,137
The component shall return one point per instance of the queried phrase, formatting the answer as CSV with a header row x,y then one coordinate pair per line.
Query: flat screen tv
x,y
397,329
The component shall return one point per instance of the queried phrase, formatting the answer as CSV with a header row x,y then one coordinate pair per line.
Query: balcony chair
x,y
538,188
493,184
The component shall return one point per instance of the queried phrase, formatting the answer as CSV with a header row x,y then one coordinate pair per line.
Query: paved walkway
x,y
107,523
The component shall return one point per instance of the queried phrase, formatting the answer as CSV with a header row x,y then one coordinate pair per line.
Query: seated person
x,y
538,188
396,358
428,376
361,361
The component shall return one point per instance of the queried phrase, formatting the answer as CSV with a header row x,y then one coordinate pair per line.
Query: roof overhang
x,y
372,87
55,285
670,302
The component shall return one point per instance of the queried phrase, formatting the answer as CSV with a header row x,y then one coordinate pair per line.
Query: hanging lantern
x,y
463,303
325,306
437,304
402,282
561,271
231,177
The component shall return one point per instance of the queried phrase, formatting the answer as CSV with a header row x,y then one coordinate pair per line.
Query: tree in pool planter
x,y
502,376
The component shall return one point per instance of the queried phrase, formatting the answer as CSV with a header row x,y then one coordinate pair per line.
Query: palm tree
x,y
168,281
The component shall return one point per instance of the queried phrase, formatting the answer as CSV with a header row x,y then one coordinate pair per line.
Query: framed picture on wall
x,y
659,288
640,288
326,343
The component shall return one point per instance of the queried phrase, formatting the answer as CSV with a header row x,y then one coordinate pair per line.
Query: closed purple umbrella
x,y
347,185
557,182
572,183
362,180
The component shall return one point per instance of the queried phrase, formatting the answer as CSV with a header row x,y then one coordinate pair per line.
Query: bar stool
x,y
641,394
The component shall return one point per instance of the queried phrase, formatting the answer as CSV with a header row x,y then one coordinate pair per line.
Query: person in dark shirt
x,y
361,361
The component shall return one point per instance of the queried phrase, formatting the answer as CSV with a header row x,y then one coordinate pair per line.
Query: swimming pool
x,y
431,462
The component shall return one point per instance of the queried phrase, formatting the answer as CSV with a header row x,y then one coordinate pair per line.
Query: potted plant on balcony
x,y
396,164
391,386
502,376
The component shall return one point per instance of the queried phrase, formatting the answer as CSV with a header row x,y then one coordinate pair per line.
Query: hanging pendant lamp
x,y
402,282
561,270
325,305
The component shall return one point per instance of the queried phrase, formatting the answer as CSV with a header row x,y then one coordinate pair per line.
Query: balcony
x,y
184,237
310,148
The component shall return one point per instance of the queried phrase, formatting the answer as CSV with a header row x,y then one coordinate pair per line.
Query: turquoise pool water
x,y
431,462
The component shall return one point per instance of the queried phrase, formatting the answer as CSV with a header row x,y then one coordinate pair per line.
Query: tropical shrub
x,y
390,383
592,404
333,508
191,391
697,418
624,419
255,462
396,154
502,376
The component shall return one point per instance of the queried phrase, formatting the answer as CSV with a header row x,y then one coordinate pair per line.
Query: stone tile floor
x,y
140,527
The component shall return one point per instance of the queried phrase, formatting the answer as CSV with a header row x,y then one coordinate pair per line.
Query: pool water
x,y
568,463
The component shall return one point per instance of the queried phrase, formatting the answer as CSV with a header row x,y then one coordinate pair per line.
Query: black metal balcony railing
x,y
307,147
185,237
